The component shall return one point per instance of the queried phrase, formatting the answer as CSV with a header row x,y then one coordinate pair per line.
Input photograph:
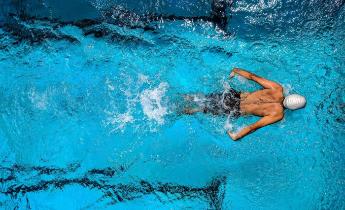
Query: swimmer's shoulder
x,y
244,95
277,110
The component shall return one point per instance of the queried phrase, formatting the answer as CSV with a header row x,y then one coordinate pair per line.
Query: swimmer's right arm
x,y
262,81
253,127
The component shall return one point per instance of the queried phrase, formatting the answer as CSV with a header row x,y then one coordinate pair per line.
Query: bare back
x,y
262,102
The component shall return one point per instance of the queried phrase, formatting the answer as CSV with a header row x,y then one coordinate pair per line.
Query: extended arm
x,y
262,81
259,124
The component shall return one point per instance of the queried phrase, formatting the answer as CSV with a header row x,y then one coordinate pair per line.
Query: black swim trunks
x,y
223,103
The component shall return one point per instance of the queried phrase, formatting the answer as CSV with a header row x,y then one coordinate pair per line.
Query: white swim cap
x,y
294,101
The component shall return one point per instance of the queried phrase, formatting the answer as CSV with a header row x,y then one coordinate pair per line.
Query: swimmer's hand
x,y
233,136
232,74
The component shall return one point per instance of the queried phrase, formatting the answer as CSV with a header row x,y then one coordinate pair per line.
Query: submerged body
x,y
267,103
221,103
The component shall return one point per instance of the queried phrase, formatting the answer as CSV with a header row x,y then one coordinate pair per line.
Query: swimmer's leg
x,y
189,97
191,111
191,105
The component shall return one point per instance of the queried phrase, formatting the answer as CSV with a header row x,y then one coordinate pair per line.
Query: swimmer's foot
x,y
191,111
188,97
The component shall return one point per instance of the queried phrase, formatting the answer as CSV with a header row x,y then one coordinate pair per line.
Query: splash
x,y
151,102
241,80
118,121
259,6
39,100
287,89
228,125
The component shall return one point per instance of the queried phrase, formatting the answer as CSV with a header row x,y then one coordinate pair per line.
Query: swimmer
x,y
268,103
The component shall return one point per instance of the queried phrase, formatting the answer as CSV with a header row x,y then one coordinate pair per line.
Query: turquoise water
x,y
90,122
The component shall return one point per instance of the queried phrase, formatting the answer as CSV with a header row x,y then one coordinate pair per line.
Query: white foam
x,y
287,89
226,85
118,121
39,100
151,102
198,99
109,84
228,124
143,79
241,79
257,6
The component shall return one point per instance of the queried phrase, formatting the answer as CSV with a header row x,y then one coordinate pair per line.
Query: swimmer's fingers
x,y
232,74
233,136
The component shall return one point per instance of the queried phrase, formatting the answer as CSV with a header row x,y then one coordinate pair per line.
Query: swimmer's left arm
x,y
259,124
260,80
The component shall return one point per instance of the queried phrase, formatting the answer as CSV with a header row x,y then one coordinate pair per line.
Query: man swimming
x,y
269,103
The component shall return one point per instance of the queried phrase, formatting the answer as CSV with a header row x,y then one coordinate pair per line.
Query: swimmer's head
x,y
294,101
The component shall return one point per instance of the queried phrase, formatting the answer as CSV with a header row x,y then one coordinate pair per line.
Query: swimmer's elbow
x,y
278,87
278,117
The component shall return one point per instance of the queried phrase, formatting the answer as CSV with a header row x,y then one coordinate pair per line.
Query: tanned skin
x,y
266,103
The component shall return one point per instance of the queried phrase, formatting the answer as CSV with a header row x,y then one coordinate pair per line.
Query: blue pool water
x,y
88,114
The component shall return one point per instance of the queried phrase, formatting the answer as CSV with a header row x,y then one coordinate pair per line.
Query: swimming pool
x,y
88,108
